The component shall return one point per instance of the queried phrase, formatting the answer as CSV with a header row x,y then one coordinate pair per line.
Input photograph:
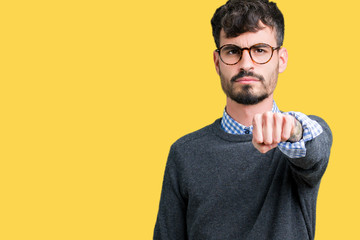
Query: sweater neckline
x,y
216,129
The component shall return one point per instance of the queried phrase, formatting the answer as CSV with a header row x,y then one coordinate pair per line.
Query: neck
x,y
244,114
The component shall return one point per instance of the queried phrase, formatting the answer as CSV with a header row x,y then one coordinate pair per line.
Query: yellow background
x,y
93,93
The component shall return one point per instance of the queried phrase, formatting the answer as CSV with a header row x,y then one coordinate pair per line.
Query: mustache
x,y
246,74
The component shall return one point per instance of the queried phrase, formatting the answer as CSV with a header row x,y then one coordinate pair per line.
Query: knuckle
x,y
278,117
289,118
267,115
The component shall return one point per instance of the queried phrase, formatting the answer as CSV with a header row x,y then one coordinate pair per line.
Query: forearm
x,y
312,166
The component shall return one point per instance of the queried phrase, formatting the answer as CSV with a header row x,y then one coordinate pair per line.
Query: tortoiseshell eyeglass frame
x,y
249,48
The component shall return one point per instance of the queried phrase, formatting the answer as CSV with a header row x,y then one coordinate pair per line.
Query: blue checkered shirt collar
x,y
229,125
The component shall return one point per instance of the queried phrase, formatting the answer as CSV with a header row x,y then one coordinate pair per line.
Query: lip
x,y
246,80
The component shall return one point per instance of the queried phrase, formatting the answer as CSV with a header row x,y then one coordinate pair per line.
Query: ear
x,y
283,59
216,61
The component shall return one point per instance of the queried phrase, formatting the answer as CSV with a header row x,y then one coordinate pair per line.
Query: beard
x,y
246,95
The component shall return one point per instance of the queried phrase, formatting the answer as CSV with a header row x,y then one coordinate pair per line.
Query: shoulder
x,y
198,136
325,126
321,121
185,148
317,118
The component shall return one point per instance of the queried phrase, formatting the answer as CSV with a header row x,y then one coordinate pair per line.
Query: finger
x,y
268,122
278,123
288,125
257,129
264,148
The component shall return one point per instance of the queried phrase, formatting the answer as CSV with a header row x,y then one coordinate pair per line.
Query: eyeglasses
x,y
260,53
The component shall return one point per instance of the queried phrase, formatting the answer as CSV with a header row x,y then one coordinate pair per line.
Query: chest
x,y
236,171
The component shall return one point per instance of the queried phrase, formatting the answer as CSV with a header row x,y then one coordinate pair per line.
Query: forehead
x,y
264,35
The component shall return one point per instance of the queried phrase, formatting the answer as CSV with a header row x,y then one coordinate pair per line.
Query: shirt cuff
x,y
311,129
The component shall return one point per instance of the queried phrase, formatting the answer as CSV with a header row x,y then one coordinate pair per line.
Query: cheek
x,y
227,72
275,72
273,79
272,72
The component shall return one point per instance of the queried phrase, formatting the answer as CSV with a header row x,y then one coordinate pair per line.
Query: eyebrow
x,y
257,45
260,44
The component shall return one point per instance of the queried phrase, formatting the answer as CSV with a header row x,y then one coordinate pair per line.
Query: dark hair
x,y
240,16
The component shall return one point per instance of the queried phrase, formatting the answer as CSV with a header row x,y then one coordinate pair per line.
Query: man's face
x,y
248,82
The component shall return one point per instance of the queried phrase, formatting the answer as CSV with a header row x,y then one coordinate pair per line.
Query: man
x,y
254,173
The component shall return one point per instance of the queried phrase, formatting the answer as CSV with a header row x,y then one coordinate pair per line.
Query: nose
x,y
246,63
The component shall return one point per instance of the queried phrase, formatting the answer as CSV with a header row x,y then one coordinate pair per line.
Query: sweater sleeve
x,y
310,168
171,219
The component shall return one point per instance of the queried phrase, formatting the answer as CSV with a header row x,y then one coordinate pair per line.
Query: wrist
x,y
297,132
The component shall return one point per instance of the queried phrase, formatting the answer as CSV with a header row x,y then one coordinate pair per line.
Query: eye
x,y
260,50
233,51
230,50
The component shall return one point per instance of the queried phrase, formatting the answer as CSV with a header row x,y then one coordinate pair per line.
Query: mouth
x,y
247,80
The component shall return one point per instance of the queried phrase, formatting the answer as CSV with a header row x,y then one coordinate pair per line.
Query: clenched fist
x,y
270,128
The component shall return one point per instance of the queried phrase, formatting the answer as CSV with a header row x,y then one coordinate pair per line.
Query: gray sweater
x,y
218,186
